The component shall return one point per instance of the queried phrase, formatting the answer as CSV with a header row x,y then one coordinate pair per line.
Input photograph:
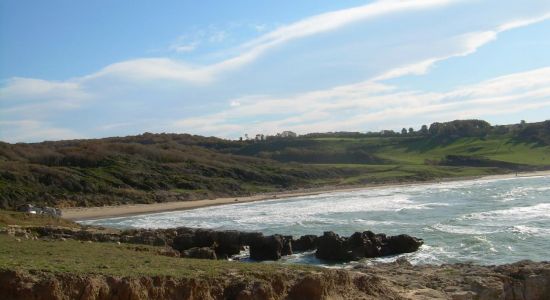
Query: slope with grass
x,y
173,167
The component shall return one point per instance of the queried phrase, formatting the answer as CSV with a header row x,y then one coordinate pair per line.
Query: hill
x,y
172,167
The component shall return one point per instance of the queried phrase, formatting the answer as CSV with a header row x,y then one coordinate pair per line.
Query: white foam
x,y
469,230
530,230
481,221
535,212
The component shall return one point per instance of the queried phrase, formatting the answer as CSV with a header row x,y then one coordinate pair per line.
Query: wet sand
x,y
85,213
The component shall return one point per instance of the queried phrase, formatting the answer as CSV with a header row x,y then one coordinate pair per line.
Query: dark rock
x,y
366,244
145,237
246,238
330,246
204,238
266,248
228,243
199,252
185,230
403,243
183,241
361,245
287,245
304,243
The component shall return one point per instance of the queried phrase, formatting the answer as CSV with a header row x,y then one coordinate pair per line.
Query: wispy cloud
x,y
23,89
465,44
164,68
319,24
164,91
182,48
375,105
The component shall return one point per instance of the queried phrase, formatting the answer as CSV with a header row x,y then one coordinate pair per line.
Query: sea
x,y
483,221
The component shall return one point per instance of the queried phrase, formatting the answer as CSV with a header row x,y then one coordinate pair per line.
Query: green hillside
x,y
173,167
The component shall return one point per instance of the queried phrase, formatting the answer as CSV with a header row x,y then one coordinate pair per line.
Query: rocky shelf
x,y
399,280
212,244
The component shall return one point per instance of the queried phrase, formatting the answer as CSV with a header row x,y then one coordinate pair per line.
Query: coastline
x,y
88,213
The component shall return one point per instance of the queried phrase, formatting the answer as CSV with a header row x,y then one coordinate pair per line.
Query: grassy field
x,y
416,150
78,257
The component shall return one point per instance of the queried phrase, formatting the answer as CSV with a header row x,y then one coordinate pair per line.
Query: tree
x,y
404,131
522,124
460,128
411,130
424,129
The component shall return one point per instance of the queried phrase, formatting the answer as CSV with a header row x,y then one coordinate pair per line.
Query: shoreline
x,y
91,213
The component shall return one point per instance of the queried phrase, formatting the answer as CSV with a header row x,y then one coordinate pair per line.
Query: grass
x,y
500,148
77,257
163,167
24,219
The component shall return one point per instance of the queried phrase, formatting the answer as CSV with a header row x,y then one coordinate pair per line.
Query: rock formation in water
x,y
331,246
212,244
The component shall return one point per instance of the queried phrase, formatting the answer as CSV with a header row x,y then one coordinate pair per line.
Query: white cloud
x,y
36,98
163,68
34,131
464,45
121,88
153,69
218,36
184,48
370,104
319,24
29,89
180,71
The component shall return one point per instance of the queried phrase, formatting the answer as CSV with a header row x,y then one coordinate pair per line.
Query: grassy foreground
x,y
112,259
77,257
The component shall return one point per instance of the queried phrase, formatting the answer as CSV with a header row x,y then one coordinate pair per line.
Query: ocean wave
x,y
468,230
535,212
531,230
426,254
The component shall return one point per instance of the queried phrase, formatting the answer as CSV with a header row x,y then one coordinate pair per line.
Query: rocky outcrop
x,y
266,247
331,246
305,243
523,280
227,243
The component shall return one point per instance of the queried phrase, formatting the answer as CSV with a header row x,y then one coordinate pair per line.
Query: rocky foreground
x,y
212,244
400,280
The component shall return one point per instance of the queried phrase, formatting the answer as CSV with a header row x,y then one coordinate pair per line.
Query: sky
x,y
88,69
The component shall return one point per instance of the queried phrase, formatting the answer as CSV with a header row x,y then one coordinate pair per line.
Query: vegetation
x,y
77,257
8,218
167,167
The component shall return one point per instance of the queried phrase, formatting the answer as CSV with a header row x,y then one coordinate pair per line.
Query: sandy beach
x,y
86,213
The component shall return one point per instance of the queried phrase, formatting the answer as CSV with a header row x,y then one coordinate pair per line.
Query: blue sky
x,y
86,69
